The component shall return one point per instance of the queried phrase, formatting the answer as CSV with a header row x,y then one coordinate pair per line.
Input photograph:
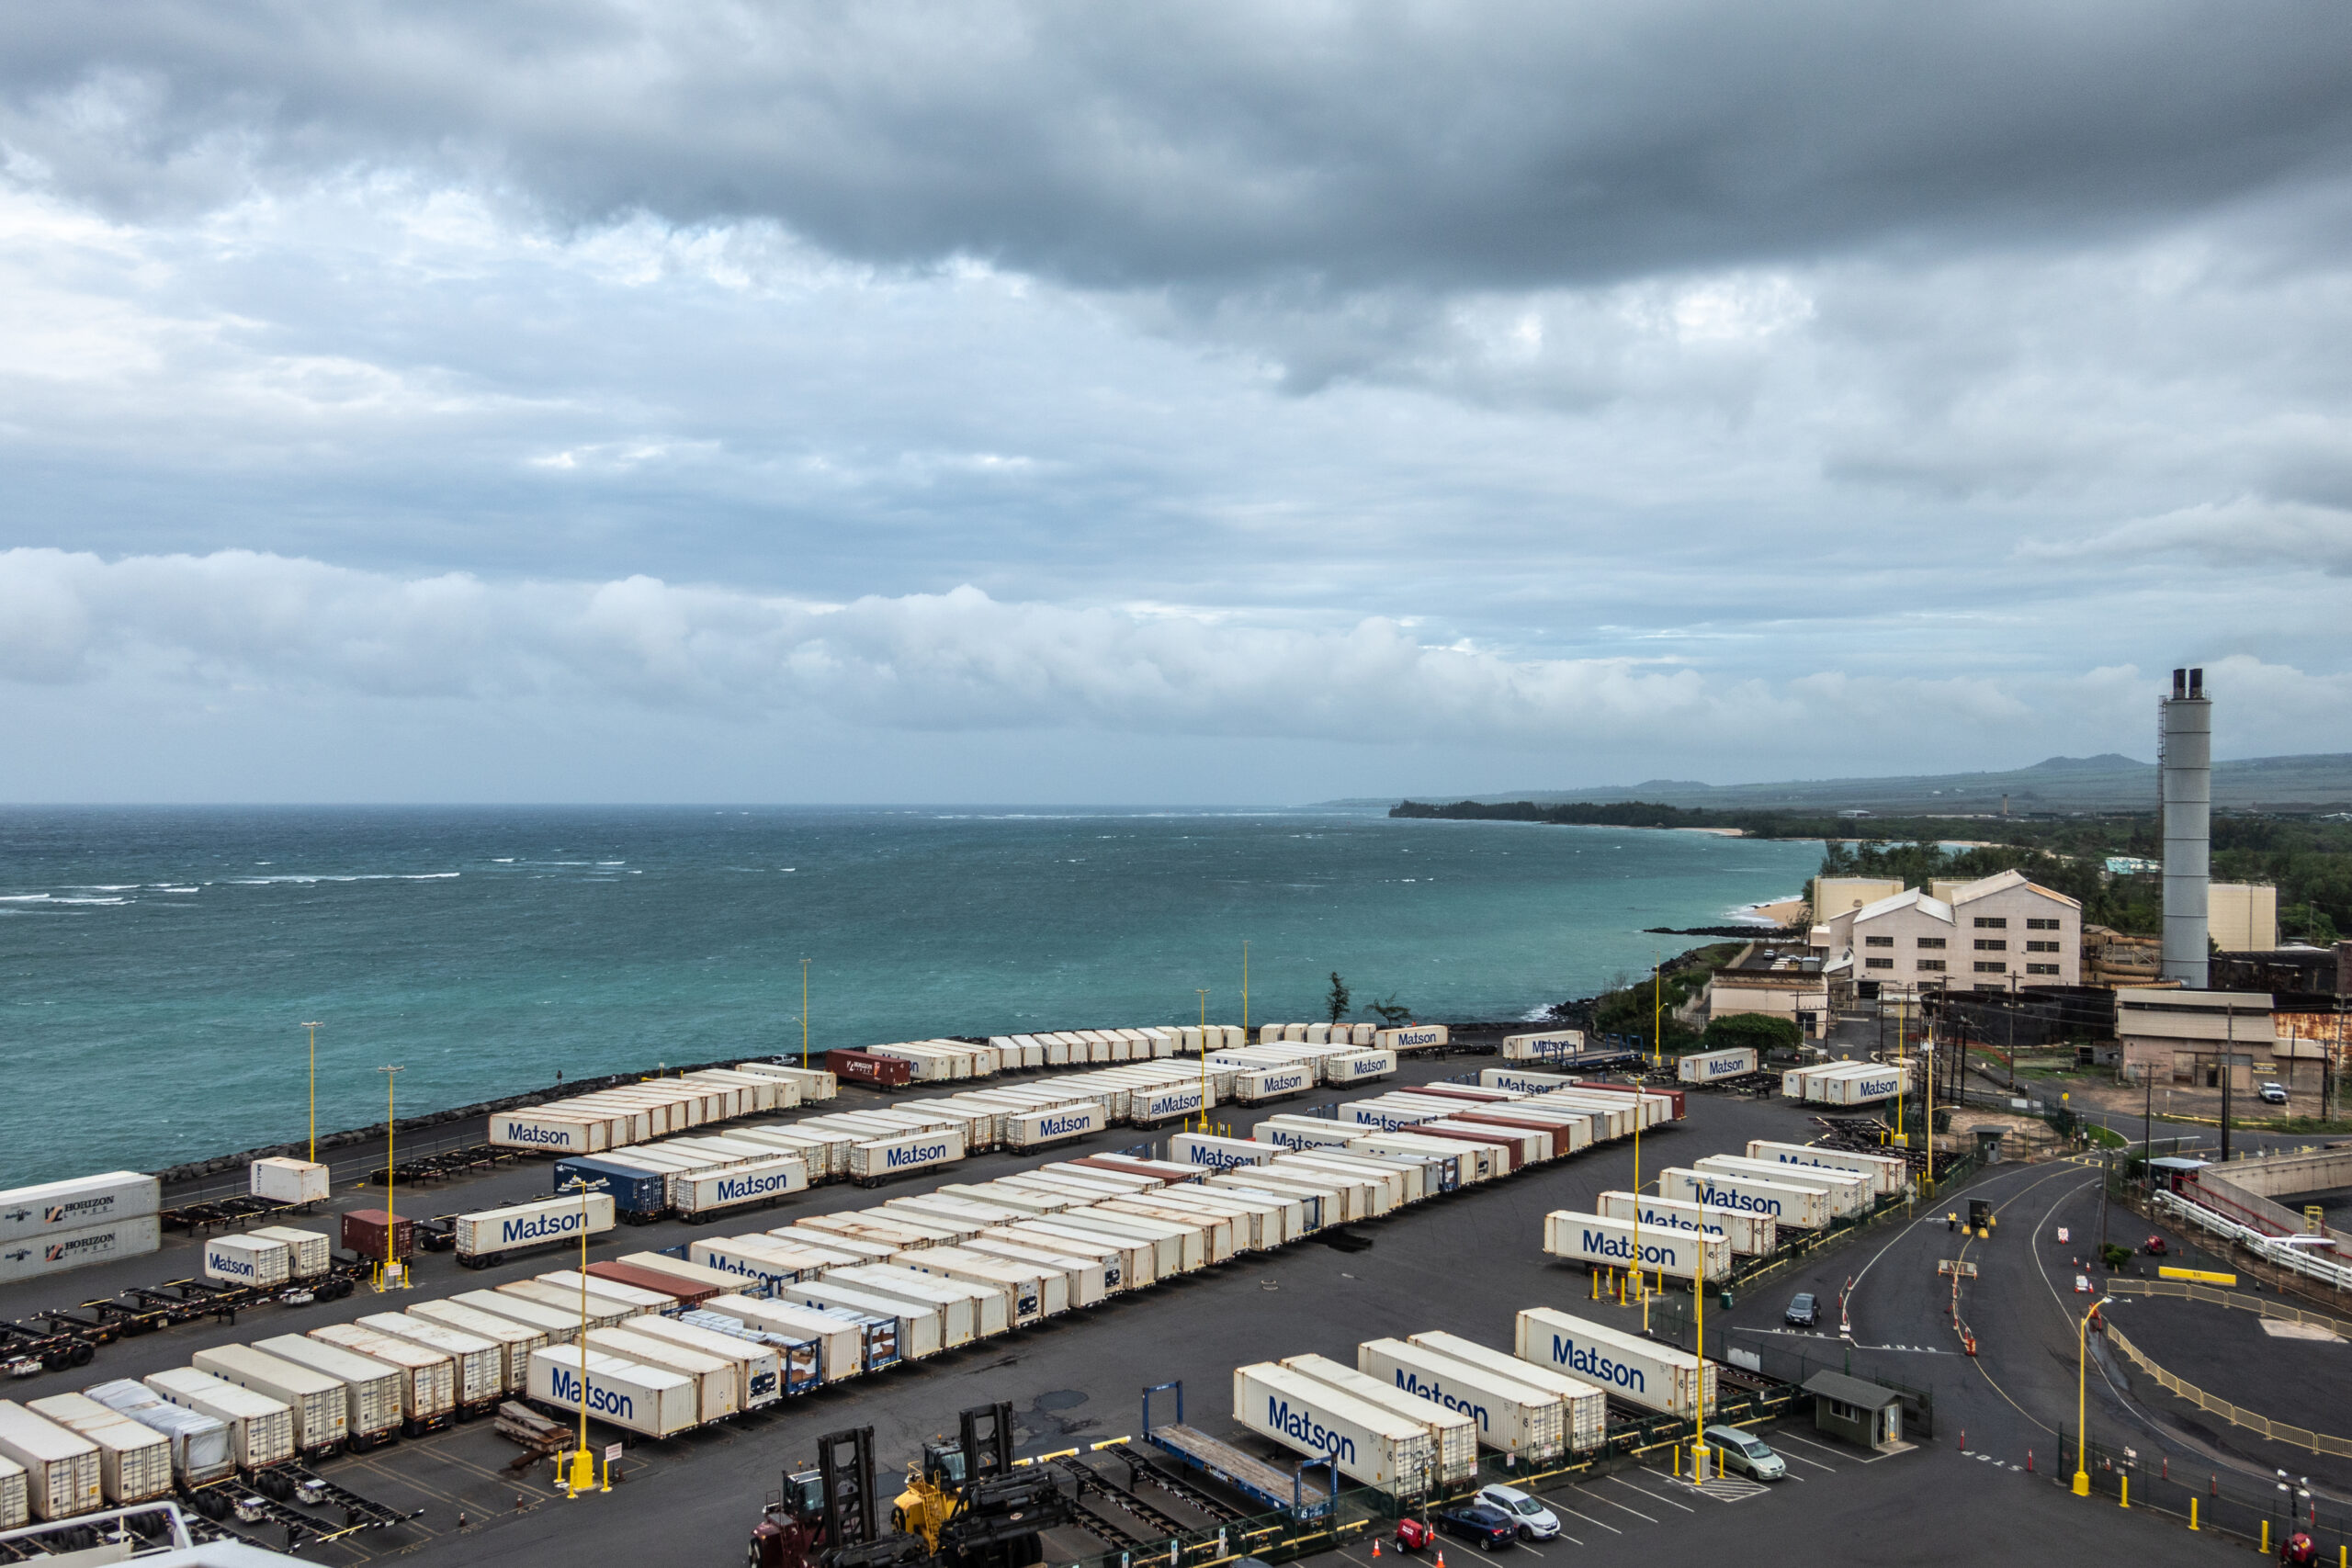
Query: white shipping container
x,y
281,1181
1749,1234
714,1380
759,1368
260,1430
14,1506
319,1404
1867,1087
1889,1174
1456,1432
54,1253
524,1304
244,1260
550,1132
61,1466
83,1203
428,1378
1255,1086
134,1460
1127,1265
1367,1443
1222,1154
1849,1194
515,1341
1708,1066
486,1236
1649,1374
762,1182
1547,1045
644,1400
373,1407
840,1345
919,1330
973,1309
1587,1404
1150,1107
637,1298
1412,1037
1304,1131
880,1159
200,1444
1031,1129
1798,1208
763,1265
1623,1243
1085,1284
480,1362
1519,1419
310,1253
1358,1065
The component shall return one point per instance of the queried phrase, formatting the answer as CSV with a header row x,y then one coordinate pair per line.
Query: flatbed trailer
x,y
1253,1477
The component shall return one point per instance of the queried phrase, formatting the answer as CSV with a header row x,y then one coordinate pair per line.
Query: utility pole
x,y
2228,1054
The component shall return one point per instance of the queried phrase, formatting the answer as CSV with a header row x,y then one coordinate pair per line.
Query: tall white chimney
x,y
2184,776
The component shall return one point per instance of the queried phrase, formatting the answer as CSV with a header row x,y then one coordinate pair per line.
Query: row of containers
x,y
1709,1215
1411,1415
56,1225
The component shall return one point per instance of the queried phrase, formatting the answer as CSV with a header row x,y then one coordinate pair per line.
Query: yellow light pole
x,y
314,1092
1641,1291
804,1015
1657,1014
2082,1400
393,1277
1204,1057
580,1469
1699,1290
1899,1056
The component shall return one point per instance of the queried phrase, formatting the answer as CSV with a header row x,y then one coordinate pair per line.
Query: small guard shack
x,y
1867,1415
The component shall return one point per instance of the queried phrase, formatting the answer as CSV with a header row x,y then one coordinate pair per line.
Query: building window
x,y
1878,963
1992,923
2041,968
1935,942
1934,966
1878,942
1992,944
2041,925
2041,947
1983,968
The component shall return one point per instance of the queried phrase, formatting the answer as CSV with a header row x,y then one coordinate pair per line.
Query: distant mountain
x,y
2107,783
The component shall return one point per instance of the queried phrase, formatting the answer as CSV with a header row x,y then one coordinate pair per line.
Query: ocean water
x,y
156,964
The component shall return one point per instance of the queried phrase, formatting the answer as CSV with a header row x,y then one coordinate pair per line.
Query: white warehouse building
x,y
1983,935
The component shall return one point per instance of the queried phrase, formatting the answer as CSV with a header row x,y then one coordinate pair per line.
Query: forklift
x,y
967,1505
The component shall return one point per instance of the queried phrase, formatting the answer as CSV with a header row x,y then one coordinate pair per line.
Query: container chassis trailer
x,y
1256,1479
60,1338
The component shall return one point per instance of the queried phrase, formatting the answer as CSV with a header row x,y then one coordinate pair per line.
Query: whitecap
x,y
24,898
161,887
502,860
612,862
93,900
103,886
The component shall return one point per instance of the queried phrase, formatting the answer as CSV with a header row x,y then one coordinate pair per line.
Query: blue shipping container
x,y
638,1196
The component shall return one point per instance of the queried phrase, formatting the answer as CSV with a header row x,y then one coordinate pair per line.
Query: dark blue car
x,y
1481,1524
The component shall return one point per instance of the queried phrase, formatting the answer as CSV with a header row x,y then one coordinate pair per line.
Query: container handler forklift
x,y
965,1506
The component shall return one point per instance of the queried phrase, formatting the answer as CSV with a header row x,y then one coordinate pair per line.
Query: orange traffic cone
x,y
1441,1557
1376,1546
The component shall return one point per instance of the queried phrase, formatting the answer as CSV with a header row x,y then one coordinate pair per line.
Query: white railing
x,y
2271,1249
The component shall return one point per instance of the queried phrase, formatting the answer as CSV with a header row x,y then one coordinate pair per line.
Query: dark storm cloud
x,y
1434,147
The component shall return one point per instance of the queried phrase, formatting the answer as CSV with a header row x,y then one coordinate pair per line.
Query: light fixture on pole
x,y
1245,993
313,1156
2082,1399
1204,1057
579,1467
394,1275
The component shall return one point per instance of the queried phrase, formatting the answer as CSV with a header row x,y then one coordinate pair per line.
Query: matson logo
x,y
602,1401
732,1190
1074,1122
1302,1426
1677,1222
1221,1157
1725,1198
526,1132
921,1154
1414,1384
1599,1365
228,1263
1601,1244
1715,1069
540,1227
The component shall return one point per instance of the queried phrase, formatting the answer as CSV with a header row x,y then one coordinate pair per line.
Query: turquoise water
x,y
155,964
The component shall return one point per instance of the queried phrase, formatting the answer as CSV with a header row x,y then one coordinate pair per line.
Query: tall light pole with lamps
x,y
314,1092
2082,1399
1205,1056
580,1465
395,1275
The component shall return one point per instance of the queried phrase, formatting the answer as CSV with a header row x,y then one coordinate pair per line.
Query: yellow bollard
x,y
2124,1491
2192,1513
1678,1458
2266,1538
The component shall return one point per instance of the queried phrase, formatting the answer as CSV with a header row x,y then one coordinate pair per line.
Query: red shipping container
x,y
862,1067
689,1292
363,1232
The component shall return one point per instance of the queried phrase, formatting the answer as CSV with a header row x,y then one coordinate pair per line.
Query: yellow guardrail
x,y
2236,1415
2242,1303
2202,1276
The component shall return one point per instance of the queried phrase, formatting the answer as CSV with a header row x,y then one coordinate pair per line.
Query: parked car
x,y
1483,1525
2274,1094
1537,1522
1804,1310
1746,1452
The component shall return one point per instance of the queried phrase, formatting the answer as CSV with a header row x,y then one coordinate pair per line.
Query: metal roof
x,y
1853,1391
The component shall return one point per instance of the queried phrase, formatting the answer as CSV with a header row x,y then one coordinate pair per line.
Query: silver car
x,y
1537,1522
1746,1452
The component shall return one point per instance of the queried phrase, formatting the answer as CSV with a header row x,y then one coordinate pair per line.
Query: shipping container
x,y
515,1341
919,1330
1127,1264
1748,1234
1150,1107
479,1360
1368,1444
1851,1194
242,1260
493,1235
1033,1129
967,1312
1258,1086
1789,1208
81,1203
61,1466
1865,1087
846,1346
1654,1376
1515,1418
1031,1291
280,1181
533,1305
1456,1434
1173,1250
764,1372
1214,1230
813,1084
637,1298
200,1443
639,1196
1364,1193
1355,1067
1303,1132
550,1132
319,1404
644,1400
714,1380
877,1160
260,1430
16,1507
1453,1170
308,1253
1413,1037
1221,1154
57,1251
1711,1067
1501,1149
761,1265
699,1198
1521,1081
1889,1174
867,1067
134,1460
1586,1404
1085,1283
363,1234
679,1276
1546,1045
428,1378
1602,1242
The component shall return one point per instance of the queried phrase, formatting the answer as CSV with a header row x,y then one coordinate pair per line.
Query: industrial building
x,y
1999,931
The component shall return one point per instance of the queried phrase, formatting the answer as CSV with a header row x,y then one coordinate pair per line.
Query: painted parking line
x,y
1557,1507
1792,1438
1647,1493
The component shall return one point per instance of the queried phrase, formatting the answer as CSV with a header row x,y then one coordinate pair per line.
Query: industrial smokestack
x,y
2184,776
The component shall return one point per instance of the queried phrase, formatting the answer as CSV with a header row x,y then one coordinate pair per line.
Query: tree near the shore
x,y
1339,999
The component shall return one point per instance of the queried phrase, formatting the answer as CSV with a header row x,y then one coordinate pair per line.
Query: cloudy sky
x,y
1213,402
